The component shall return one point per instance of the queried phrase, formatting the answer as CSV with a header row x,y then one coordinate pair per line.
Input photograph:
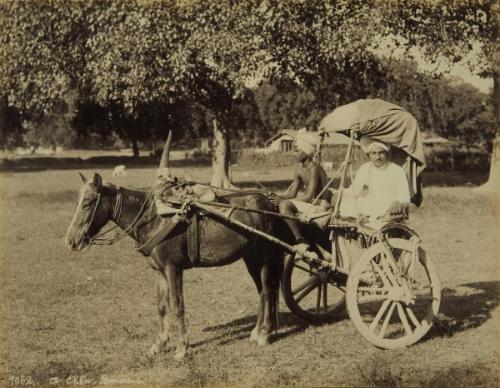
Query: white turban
x,y
375,145
306,142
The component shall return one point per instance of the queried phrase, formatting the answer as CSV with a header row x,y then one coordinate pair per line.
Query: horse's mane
x,y
108,188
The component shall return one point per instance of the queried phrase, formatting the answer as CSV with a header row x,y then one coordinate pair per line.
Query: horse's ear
x,y
97,181
84,180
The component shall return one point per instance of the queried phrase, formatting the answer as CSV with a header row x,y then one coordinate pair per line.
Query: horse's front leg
x,y
163,306
176,299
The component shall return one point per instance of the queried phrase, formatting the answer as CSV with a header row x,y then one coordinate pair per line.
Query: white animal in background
x,y
119,171
327,165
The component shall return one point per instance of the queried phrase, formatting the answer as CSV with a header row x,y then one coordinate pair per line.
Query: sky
x,y
389,49
461,69
485,85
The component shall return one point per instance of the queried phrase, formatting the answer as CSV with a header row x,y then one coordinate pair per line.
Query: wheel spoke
x,y
403,318
372,299
318,299
304,269
386,320
391,272
413,318
380,312
405,260
422,290
307,290
382,275
325,296
373,289
336,285
308,282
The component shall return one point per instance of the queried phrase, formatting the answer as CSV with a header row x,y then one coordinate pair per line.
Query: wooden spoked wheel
x,y
392,299
310,293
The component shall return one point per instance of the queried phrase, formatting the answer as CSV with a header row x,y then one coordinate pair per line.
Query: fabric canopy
x,y
378,120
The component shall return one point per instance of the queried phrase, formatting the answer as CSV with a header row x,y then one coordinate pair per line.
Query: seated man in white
x,y
381,188
379,194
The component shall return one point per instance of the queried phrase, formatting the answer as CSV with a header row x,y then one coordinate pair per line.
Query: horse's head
x,y
92,212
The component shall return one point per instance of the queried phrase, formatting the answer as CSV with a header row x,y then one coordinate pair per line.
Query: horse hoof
x,y
263,340
154,350
254,335
157,348
180,353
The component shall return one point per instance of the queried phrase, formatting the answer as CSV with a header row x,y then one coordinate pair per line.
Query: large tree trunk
x,y
221,157
493,183
135,149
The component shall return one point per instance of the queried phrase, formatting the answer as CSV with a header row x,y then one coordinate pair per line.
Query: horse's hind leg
x,y
270,274
163,306
254,267
176,298
265,307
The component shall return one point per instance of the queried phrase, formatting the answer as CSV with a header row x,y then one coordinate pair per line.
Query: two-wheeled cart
x,y
391,290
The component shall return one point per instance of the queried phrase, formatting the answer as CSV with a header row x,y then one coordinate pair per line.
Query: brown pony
x,y
218,244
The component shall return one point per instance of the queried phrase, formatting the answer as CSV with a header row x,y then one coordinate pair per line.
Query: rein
x,y
101,239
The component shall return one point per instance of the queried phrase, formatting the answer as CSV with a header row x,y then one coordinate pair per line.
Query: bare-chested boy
x,y
310,177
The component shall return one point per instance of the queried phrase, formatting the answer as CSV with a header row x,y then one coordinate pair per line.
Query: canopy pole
x,y
345,164
343,171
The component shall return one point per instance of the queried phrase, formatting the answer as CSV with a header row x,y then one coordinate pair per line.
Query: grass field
x,y
90,317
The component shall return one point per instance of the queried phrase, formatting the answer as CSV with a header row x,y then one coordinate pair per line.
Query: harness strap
x,y
161,235
193,238
117,209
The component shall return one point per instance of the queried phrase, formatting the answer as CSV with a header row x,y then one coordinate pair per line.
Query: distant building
x,y
283,140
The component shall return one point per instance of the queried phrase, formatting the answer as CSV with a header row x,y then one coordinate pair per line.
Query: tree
x,y
326,47
454,110
129,65
41,47
451,32
10,126
221,53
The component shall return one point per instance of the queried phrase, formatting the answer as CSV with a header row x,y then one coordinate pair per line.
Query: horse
x,y
135,213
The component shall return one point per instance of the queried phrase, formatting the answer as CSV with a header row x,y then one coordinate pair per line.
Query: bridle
x,y
99,239
86,235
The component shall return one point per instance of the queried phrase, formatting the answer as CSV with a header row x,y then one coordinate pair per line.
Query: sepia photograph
x,y
250,193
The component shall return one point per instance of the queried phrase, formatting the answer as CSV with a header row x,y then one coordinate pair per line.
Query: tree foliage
x,y
451,109
142,67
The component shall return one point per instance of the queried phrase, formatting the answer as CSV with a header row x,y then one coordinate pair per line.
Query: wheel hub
x,y
400,294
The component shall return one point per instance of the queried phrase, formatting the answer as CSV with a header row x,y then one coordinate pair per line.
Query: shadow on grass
x,y
465,307
238,329
462,308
